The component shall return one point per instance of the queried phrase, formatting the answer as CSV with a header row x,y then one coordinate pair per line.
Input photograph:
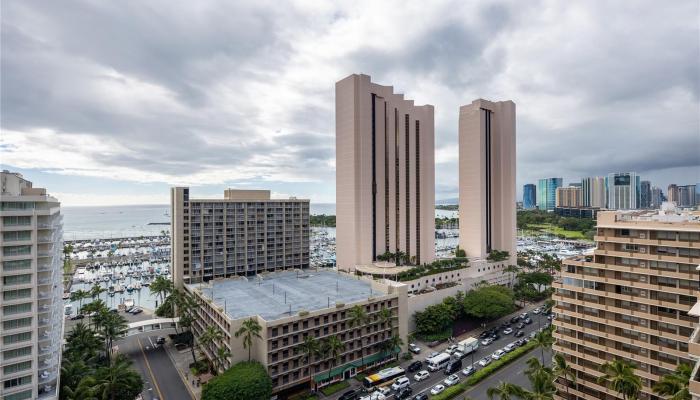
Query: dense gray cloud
x,y
213,92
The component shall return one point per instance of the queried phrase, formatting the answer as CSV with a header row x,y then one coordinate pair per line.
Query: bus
x,y
383,376
438,362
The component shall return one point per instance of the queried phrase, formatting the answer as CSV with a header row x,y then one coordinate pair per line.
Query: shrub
x,y
451,392
244,381
435,337
498,364
335,388
199,367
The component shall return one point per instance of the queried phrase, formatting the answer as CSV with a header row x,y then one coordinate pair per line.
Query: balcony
x,y
694,384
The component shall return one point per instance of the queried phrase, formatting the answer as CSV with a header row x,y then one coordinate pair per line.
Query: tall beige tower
x,y
385,174
487,178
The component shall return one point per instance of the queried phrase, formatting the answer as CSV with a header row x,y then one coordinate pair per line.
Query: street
x,y
161,379
512,373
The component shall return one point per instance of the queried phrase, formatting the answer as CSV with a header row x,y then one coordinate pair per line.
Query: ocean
x,y
130,221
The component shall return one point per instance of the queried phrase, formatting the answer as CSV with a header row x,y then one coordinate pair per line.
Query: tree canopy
x,y
489,302
244,381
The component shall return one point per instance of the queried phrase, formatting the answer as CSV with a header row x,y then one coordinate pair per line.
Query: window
x,y
17,279
17,323
16,235
27,394
22,351
11,369
16,205
16,294
21,220
16,265
16,338
17,308
16,250
10,383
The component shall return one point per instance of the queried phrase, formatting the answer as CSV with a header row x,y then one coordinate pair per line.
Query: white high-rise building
x,y
31,237
594,192
623,191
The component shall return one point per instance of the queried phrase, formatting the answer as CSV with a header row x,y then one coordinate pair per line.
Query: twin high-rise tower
x,y
385,175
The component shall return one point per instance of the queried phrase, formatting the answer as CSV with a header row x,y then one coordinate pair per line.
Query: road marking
x,y
150,371
182,377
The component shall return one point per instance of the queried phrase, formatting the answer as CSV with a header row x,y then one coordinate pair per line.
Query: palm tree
x,y
535,369
359,318
675,384
618,375
78,296
222,356
96,290
564,370
82,342
118,379
542,388
390,345
334,347
82,390
94,307
311,348
112,326
543,340
210,335
504,391
249,329
72,371
386,317
161,287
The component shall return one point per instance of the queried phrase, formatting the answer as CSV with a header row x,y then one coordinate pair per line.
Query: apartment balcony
x,y
694,383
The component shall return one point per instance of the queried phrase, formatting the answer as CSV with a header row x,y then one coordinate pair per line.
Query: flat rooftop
x,y
281,294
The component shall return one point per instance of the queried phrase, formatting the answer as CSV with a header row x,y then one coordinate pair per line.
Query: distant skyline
x,y
112,103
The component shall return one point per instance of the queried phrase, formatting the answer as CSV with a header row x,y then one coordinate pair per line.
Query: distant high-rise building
x,y
547,193
487,177
697,194
245,233
385,174
529,196
686,196
575,184
594,192
31,236
568,197
645,194
623,191
657,197
672,193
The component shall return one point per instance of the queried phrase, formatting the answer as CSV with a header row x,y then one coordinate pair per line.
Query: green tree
x,y
333,349
489,302
79,295
94,307
511,270
674,386
311,348
359,318
118,380
210,336
618,375
243,381
563,369
161,287
96,290
222,356
504,391
386,318
544,340
84,389
112,326
249,329
391,344
82,343
72,371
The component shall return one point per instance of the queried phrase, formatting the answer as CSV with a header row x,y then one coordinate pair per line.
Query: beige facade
x,y
291,305
245,233
31,307
630,299
487,178
568,197
385,174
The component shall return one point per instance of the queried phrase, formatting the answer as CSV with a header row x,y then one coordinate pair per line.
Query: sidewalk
x,y
182,360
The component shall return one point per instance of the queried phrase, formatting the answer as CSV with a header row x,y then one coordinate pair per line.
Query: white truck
x,y
468,345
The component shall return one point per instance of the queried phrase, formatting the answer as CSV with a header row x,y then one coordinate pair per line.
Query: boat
x,y
129,288
119,288
138,285
128,303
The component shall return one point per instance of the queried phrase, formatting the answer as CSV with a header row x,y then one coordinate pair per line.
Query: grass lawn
x,y
555,230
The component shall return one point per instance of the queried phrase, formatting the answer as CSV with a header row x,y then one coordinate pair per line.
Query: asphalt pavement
x,y
512,373
514,370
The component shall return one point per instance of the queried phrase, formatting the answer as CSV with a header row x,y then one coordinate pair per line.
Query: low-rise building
x,y
292,305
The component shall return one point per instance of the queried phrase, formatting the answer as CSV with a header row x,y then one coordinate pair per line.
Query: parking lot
x,y
424,387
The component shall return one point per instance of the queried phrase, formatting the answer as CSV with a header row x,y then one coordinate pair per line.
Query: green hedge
x,y
451,392
498,364
243,381
432,337
335,388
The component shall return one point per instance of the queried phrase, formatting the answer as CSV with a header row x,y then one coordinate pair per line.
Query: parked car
x,y
451,380
385,390
160,340
523,315
437,389
498,354
458,355
528,320
521,325
485,361
420,396
485,334
514,319
431,355
349,395
487,341
519,333
468,371
136,311
453,367
404,393
413,348
495,336
451,349
537,310
77,316
507,331
421,375
520,342
510,347
400,383
414,366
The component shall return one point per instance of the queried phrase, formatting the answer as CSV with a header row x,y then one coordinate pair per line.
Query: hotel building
x,y
630,299
547,193
568,197
487,178
385,174
245,233
292,305
624,191
31,238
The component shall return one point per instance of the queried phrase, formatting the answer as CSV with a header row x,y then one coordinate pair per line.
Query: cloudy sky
x,y
113,102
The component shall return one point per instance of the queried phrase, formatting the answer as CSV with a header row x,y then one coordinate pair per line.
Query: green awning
x,y
357,363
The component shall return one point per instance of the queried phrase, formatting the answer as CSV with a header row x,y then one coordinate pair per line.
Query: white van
x,y
438,362
400,383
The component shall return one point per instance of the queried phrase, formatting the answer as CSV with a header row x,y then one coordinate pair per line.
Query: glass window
x,y
16,265
22,351
17,220
27,394
16,235
16,250
16,205
17,323
17,279
17,308
10,383
11,369
16,294
16,338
